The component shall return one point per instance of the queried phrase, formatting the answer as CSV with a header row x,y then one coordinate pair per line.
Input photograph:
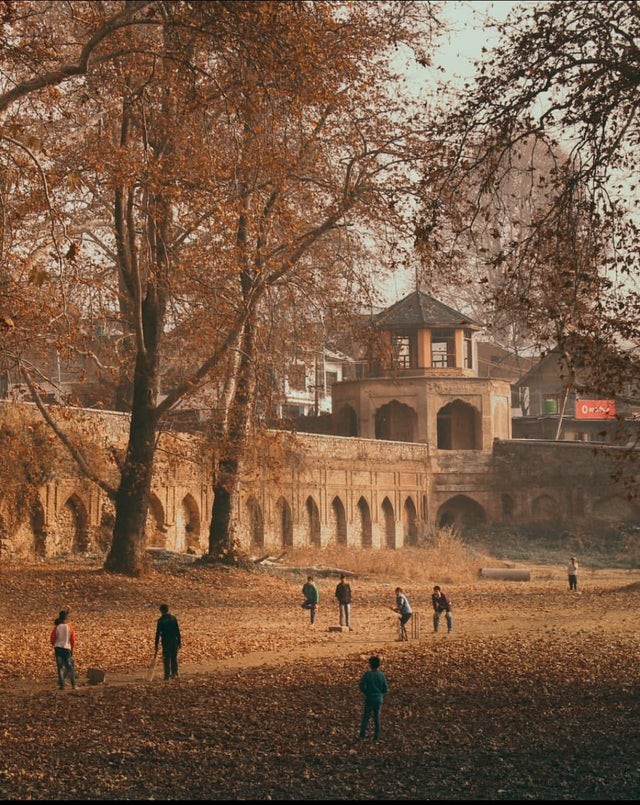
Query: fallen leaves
x,y
543,706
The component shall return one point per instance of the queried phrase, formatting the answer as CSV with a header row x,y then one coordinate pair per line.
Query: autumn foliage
x,y
534,695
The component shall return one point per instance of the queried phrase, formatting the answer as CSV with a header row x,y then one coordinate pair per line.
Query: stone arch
x,y
397,422
256,522
338,522
388,517
37,519
73,525
459,427
460,512
313,522
366,539
346,421
410,522
285,522
508,506
544,509
104,535
155,528
188,525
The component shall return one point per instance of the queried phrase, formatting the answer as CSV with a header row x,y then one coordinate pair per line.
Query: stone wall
x,y
301,489
565,483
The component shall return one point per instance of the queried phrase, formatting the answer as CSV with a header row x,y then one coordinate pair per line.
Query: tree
x,y
201,167
115,175
562,83
321,148
558,92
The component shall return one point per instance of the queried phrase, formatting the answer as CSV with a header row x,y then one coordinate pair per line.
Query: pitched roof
x,y
418,309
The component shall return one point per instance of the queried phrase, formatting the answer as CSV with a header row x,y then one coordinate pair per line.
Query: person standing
x,y
572,573
63,640
374,687
343,594
311,598
403,607
168,631
441,603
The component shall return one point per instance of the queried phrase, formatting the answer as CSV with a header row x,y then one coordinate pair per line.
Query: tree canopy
x,y
180,175
543,150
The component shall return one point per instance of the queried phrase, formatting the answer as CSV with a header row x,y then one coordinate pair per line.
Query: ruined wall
x,y
306,489
562,483
301,489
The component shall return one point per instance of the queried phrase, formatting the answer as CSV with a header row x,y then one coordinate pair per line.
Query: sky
x,y
463,44
455,53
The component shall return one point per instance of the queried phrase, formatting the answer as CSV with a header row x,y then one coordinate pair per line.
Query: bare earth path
x,y
535,695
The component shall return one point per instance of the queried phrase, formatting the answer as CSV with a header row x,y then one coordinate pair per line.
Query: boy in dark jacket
x,y
374,687
343,594
168,631
441,603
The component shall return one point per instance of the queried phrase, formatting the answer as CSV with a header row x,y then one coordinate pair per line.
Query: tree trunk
x,y
225,493
127,552
222,531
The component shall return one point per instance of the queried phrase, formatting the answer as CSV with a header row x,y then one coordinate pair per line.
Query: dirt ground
x,y
534,695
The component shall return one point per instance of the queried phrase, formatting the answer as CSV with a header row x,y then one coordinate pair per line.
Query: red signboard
x,y
595,409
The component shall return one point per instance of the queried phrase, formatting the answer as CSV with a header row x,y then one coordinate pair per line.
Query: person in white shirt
x,y
403,608
63,640
572,572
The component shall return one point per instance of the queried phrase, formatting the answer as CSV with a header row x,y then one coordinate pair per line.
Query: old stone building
x,y
418,442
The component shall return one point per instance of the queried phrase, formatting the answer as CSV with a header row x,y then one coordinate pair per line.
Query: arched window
x,y
155,528
365,523
313,520
188,525
285,523
256,522
409,522
338,522
389,524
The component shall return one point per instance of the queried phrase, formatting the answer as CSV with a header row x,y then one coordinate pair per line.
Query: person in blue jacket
x,y
311,598
403,608
374,687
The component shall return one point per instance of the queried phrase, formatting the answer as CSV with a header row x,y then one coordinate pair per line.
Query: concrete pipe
x,y
505,574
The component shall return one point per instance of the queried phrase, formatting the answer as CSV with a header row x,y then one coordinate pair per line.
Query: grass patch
x,y
445,558
614,547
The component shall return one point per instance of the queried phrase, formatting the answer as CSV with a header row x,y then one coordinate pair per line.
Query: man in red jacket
x,y
63,640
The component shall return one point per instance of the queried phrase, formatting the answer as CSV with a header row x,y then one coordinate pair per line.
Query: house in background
x,y
306,386
554,408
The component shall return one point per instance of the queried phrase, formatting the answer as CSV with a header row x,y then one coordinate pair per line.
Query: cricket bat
x,y
152,670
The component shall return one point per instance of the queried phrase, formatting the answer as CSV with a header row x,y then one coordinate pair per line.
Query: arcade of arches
x,y
458,424
320,490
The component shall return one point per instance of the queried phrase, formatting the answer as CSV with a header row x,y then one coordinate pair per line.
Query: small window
x,y
331,378
443,348
468,350
401,351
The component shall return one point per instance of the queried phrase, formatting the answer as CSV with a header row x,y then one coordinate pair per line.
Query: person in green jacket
x,y
311,598
374,687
